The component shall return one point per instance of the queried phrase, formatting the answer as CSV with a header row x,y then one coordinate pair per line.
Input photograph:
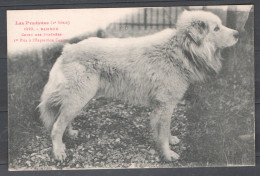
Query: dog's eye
x,y
216,28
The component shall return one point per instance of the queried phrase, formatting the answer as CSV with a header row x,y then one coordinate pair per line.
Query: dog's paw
x,y
59,153
73,134
171,156
173,140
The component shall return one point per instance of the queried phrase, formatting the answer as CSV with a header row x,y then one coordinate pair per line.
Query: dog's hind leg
x,y
77,94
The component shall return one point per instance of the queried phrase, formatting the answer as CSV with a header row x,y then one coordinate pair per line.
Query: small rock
x,y
33,154
128,157
40,156
28,163
157,158
80,147
37,165
148,157
44,143
152,151
141,146
143,150
45,150
133,165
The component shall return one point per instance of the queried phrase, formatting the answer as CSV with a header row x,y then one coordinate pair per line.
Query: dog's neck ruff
x,y
202,61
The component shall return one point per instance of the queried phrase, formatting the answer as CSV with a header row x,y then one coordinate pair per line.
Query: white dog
x,y
152,71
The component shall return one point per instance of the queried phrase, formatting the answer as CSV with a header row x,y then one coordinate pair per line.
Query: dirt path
x,y
112,135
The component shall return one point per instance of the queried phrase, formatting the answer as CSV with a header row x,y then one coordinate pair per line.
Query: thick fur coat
x,y
152,71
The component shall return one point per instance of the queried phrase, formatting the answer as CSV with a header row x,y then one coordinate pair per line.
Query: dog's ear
x,y
197,30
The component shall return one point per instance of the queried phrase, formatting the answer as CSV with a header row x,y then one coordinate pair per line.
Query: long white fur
x,y
154,71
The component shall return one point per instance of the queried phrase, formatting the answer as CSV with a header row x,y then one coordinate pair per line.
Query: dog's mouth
x,y
236,36
235,42
231,43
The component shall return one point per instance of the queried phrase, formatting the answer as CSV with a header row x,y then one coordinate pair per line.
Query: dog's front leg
x,y
160,123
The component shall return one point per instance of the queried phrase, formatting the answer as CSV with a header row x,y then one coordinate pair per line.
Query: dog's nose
x,y
236,34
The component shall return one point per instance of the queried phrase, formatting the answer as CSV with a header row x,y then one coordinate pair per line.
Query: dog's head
x,y
201,27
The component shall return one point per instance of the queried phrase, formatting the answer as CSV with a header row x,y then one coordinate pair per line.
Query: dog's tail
x,y
48,115
49,106
51,98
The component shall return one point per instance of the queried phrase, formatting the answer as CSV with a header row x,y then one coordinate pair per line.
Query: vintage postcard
x,y
107,88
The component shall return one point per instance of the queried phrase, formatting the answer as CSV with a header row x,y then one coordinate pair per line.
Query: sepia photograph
x,y
120,88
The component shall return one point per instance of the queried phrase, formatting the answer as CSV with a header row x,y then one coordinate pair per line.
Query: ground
x,y
111,135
